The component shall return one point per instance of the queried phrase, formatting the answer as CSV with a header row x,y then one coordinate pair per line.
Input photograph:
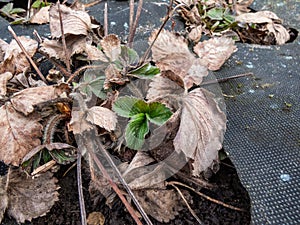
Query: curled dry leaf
x,y
269,22
28,198
4,78
75,45
14,60
171,52
111,46
242,6
215,51
163,205
25,100
74,22
201,130
84,120
42,16
102,117
18,134
95,218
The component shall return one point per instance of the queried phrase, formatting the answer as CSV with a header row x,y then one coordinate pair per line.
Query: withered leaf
x,y
4,78
42,16
102,117
15,60
29,198
171,52
18,134
74,22
163,205
141,174
25,100
95,218
215,51
75,45
201,130
84,120
111,46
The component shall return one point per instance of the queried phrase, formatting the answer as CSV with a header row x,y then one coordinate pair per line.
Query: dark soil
x,y
229,190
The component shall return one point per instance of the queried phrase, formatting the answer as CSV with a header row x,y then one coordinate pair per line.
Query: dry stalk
x,y
187,204
166,19
133,24
105,23
63,38
205,196
80,192
26,54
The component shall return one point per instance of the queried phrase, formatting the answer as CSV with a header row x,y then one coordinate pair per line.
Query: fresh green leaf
x,y
18,21
145,71
158,113
136,130
37,4
215,13
7,8
129,106
17,10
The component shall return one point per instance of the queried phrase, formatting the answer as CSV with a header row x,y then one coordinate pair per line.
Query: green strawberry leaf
x,y
129,106
145,71
158,113
136,130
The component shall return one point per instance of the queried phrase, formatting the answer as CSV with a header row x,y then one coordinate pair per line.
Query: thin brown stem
x,y
114,186
167,17
63,38
77,72
187,204
131,17
135,23
205,196
222,80
80,192
105,24
26,54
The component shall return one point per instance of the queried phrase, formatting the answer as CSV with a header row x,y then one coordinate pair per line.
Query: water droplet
x,y
113,23
251,91
274,106
285,177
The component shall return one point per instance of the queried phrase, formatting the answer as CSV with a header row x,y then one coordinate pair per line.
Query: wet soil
x,y
229,190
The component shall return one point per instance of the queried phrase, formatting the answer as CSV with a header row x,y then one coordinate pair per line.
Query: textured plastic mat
x,y
263,136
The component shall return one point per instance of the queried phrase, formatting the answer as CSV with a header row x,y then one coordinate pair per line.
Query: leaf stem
x,y
26,54
63,38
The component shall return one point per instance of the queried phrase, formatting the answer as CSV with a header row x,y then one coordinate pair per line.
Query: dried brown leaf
x,y
195,34
242,6
54,48
111,45
14,60
258,17
171,52
95,218
201,130
280,32
4,78
25,100
74,22
84,120
163,205
215,51
102,117
3,48
42,16
30,198
18,134
3,197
